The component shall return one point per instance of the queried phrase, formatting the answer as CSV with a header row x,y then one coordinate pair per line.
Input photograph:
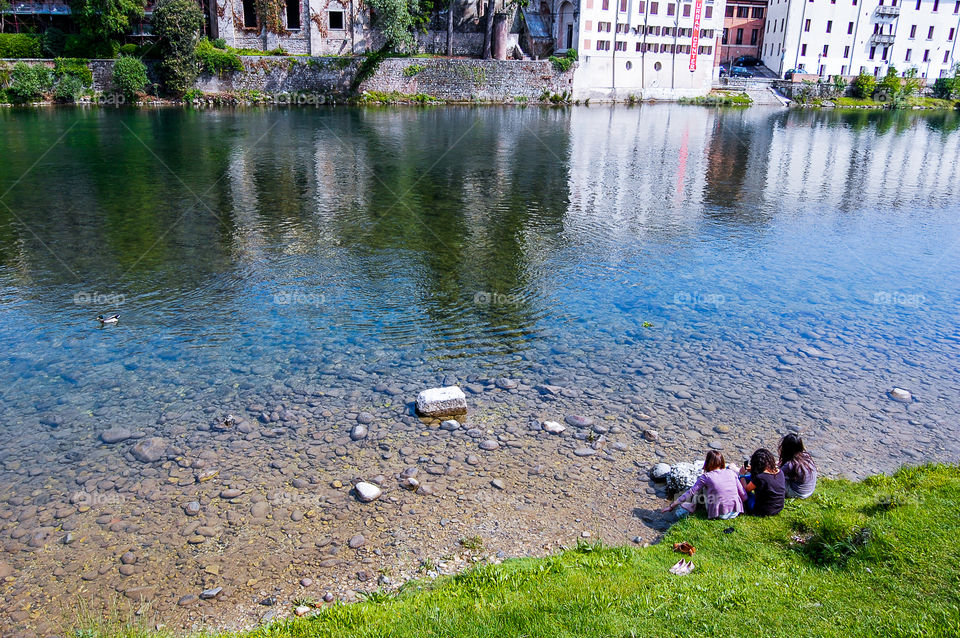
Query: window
x,y
639,44
753,37
758,13
293,14
913,31
829,26
726,32
926,55
843,70
806,25
803,49
883,56
603,45
606,5
906,58
643,6
930,33
739,37
946,56
743,12
249,14
936,4
335,20
956,7
824,54
950,35
918,5
623,5
708,12
621,46
653,8
846,53
876,71
729,12
850,29
686,10
873,52
822,70
671,9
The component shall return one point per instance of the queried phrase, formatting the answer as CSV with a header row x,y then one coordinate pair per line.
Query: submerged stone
x,y
439,402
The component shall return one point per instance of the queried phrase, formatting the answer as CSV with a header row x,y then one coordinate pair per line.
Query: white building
x,y
846,37
646,48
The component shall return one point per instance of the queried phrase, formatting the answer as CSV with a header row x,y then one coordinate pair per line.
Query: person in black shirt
x,y
766,482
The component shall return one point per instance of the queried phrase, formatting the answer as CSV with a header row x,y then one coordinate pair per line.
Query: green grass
x,y
718,98
856,101
879,558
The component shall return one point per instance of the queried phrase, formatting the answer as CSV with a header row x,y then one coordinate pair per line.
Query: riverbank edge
x,y
839,564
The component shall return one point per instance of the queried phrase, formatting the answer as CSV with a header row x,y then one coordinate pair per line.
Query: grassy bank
x,y
719,98
881,557
914,101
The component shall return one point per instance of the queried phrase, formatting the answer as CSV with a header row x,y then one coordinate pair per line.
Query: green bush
x,y
68,89
29,83
215,60
128,49
54,42
74,67
864,85
564,63
220,43
20,45
129,76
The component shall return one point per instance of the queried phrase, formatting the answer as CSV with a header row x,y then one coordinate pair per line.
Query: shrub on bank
x,y
29,83
20,45
129,76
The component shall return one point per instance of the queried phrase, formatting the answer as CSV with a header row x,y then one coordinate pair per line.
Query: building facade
x,y
743,24
847,37
647,48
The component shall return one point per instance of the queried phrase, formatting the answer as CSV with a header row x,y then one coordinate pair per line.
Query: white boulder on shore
x,y
440,402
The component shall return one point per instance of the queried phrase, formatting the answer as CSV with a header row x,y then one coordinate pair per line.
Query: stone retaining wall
x,y
458,80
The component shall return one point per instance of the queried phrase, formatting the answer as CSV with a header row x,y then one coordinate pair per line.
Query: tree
x,y
488,30
178,24
105,19
450,10
864,85
398,20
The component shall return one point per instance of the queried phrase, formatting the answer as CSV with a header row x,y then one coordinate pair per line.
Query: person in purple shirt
x,y
718,488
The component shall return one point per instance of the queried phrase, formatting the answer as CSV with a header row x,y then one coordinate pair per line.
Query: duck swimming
x,y
110,319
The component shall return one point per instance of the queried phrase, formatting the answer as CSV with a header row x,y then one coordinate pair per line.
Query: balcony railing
x,y
886,11
882,38
35,8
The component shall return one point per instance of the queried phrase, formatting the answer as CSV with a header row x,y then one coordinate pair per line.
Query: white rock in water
x,y
901,395
367,492
442,401
659,472
553,427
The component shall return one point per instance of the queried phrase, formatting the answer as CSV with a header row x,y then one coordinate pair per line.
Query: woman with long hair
x,y
798,467
718,488
766,482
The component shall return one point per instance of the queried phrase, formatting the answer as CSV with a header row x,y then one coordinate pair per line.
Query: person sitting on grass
x,y
765,483
718,488
798,467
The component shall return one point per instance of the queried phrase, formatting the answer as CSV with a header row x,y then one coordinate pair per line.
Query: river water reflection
x,y
709,277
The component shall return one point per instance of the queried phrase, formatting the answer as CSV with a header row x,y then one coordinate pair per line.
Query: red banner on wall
x,y
695,40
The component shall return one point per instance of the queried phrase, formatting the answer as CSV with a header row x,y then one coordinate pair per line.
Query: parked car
x,y
747,60
789,74
741,72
